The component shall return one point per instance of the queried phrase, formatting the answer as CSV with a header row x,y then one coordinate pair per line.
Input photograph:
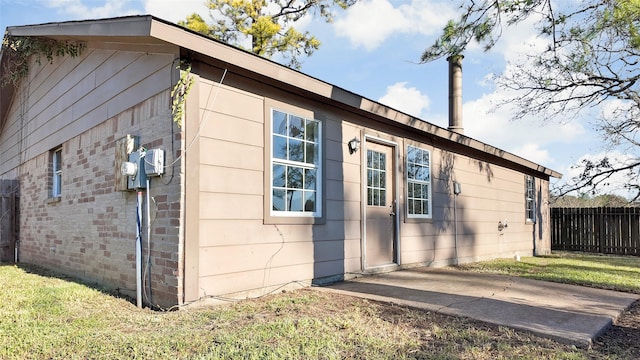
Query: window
x,y
56,173
295,165
376,178
530,199
418,182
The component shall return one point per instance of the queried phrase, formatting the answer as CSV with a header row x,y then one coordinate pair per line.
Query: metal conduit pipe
x,y
139,249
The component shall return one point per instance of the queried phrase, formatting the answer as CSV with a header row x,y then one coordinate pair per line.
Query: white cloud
x,y
170,11
522,39
613,185
528,138
92,9
533,152
406,99
369,23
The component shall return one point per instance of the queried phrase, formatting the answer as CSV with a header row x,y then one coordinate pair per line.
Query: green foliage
x,y
268,23
18,50
481,22
196,23
586,201
180,91
591,59
625,16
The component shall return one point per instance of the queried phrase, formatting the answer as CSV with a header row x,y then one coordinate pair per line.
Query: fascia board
x,y
237,57
148,26
129,26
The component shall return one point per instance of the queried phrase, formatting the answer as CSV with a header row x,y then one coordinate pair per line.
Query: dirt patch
x,y
623,338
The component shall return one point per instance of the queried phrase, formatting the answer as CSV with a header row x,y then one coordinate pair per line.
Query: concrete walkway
x,y
566,313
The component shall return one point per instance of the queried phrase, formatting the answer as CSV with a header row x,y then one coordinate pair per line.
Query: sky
x,y
373,49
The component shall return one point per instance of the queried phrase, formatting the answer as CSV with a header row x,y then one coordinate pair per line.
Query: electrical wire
x,y
146,287
147,294
267,265
195,136
197,133
173,151
234,300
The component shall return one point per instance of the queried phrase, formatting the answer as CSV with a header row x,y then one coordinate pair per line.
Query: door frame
x,y
396,194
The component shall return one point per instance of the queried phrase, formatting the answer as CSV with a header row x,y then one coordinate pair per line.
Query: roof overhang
x,y
152,32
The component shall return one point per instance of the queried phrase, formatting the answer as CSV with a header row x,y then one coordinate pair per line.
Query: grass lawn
x,y
621,273
46,316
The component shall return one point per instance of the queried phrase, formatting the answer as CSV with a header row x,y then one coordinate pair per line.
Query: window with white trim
x,y
56,173
295,165
418,182
530,202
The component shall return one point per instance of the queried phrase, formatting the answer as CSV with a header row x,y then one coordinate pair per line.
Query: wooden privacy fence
x,y
8,219
596,230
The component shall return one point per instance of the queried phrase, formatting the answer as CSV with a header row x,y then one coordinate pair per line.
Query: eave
x,y
151,32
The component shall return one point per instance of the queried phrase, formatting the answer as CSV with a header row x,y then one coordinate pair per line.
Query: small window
x,y
295,165
56,173
376,178
418,182
530,199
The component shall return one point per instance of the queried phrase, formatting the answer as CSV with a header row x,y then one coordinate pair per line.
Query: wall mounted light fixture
x,y
354,145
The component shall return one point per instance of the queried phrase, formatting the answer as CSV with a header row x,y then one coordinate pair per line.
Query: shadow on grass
x,y
610,272
606,259
46,272
597,284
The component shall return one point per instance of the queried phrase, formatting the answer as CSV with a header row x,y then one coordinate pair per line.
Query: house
x,y
258,177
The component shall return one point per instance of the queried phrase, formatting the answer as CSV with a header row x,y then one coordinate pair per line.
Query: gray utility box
x,y
154,162
139,180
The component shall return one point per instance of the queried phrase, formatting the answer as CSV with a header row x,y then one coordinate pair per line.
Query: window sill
x,y
53,200
413,220
293,220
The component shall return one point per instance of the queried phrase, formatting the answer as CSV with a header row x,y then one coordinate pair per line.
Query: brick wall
x,y
90,230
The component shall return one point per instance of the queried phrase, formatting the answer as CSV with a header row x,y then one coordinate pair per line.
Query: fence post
x,y
8,219
635,231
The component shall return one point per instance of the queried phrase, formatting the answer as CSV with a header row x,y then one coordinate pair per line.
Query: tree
x,y
585,201
591,62
267,23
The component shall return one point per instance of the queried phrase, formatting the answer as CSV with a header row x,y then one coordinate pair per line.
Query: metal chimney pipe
x,y
455,93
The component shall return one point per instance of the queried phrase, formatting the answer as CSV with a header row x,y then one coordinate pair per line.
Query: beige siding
x,y
10,143
230,206
214,232
244,251
62,99
238,251
235,181
236,155
490,195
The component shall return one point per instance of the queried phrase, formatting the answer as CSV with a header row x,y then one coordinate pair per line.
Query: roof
x,y
155,32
